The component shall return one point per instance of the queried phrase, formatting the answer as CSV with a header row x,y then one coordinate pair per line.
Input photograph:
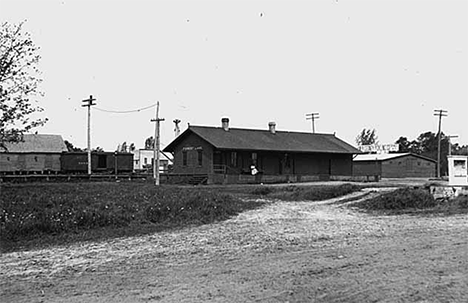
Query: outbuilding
x,y
238,155
394,165
37,153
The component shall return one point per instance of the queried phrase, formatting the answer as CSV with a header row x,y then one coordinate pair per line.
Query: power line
x,y
125,111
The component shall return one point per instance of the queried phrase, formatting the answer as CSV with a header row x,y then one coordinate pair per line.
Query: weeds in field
x,y
34,211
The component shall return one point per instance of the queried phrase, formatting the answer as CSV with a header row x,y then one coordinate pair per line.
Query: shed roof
x,y
264,140
385,157
35,143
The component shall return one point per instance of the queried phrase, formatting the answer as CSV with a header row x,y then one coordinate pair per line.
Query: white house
x,y
143,160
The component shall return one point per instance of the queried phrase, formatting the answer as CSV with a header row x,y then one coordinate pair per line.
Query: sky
x,y
376,64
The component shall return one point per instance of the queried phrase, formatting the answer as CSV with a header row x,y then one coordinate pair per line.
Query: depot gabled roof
x,y
264,140
385,157
35,143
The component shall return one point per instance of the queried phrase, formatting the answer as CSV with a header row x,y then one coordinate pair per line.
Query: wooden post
x,y
157,121
88,105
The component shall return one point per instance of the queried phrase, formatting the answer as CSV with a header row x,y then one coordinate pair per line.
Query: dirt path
x,y
283,252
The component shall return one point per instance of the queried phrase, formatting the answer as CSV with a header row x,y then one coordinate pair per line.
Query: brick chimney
x,y
272,127
225,124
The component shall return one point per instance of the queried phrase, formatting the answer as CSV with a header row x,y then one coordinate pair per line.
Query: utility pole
x,y
177,128
441,113
157,120
312,116
88,104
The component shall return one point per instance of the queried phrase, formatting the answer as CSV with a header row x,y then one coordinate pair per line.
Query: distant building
x,y
36,154
398,165
227,155
143,160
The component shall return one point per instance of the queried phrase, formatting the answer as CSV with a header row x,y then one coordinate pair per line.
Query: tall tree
x,y
366,137
19,83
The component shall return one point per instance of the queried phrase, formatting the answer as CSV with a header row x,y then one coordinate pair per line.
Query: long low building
x,y
227,155
394,165
36,153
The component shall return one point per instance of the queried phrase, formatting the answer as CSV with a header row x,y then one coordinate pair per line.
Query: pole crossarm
x,y
312,117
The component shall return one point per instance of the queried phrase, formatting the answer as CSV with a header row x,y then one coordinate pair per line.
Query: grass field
x,y
42,214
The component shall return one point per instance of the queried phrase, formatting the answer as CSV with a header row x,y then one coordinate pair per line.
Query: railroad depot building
x,y
37,153
234,155
394,165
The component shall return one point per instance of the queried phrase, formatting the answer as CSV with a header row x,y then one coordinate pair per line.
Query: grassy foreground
x,y
41,214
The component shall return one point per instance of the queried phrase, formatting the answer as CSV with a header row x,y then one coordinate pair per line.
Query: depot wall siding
x,y
191,145
408,167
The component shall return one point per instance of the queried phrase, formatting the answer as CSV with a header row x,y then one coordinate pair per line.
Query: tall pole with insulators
x,y
313,117
441,113
176,128
88,103
157,120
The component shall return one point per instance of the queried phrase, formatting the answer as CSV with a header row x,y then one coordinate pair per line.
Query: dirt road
x,y
283,252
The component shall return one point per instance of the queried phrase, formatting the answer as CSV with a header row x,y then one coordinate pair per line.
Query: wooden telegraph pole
x,y
157,120
441,113
88,104
312,116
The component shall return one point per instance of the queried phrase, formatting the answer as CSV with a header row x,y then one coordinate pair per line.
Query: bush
x,y
400,199
313,193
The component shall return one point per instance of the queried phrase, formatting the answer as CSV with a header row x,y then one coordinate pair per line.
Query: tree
x,y
72,148
19,83
460,149
366,137
427,145
123,147
149,143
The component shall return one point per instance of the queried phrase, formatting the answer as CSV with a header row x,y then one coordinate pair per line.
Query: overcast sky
x,y
360,64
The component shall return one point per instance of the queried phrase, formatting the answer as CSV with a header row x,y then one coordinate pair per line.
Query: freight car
x,y
101,162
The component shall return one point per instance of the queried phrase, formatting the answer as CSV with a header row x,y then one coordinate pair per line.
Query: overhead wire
x,y
125,111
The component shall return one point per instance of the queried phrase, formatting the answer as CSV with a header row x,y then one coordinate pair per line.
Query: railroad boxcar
x,y
101,162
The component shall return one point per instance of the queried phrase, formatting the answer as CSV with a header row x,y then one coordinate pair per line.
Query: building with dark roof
x,y
394,165
233,152
36,153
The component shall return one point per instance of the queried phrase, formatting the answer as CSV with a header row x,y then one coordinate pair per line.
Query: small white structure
x,y
143,160
458,170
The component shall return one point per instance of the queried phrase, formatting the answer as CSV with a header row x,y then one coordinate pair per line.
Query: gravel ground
x,y
283,252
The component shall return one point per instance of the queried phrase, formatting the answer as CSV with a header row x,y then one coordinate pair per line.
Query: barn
x,y
394,165
227,155
36,154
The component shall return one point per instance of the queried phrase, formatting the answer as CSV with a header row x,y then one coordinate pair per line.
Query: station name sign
x,y
185,148
379,148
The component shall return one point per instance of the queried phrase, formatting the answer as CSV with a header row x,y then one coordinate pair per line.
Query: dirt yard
x,y
283,252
